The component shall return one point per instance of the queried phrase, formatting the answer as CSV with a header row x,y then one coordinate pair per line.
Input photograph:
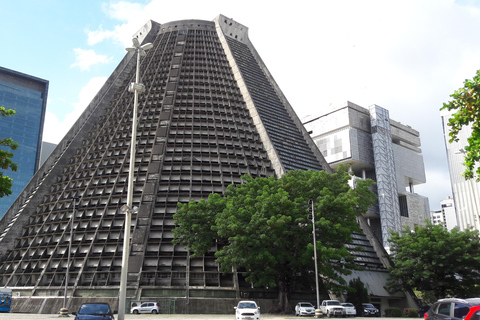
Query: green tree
x,y
435,261
267,233
357,294
6,158
466,103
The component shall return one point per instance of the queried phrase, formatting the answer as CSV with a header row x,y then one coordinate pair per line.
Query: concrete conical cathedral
x,y
210,113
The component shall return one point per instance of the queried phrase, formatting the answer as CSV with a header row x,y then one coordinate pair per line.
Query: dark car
x,y
422,310
94,311
369,310
451,309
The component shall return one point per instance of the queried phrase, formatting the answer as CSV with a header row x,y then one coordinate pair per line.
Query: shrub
x,y
410,313
393,312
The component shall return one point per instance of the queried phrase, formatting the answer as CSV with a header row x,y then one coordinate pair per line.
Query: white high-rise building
x,y
465,192
445,216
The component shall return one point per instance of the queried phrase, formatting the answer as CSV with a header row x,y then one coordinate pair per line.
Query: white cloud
x,y
87,58
123,10
50,133
98,36
132,17
54,128
87,93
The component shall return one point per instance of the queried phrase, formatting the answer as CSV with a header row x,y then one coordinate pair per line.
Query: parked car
x,y
422,310
332,308
474,313
247,310
146,307
94,311
452,308
350,310
369,310
304,309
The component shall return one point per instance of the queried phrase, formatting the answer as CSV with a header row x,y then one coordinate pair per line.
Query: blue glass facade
x,y
26,95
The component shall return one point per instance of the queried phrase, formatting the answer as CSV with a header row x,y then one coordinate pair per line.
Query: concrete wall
x,y
52,305
418,210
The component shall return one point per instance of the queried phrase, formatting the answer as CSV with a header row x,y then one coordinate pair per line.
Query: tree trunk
x,y
282,305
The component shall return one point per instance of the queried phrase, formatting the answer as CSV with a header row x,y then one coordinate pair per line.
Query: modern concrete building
x,y
466,193
210,113
27,95
379,148
446,216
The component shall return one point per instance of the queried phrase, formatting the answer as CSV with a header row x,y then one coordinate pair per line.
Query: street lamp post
x,y
135,87
64,310
310,202
69,253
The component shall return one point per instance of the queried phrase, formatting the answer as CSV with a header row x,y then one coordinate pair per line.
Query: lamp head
x,y
141,48
124,208
147,46
136,43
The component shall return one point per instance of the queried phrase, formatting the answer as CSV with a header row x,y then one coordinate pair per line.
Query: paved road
x,y
29,316
24,316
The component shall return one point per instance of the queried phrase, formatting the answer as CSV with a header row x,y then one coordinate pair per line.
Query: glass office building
x,y
27,95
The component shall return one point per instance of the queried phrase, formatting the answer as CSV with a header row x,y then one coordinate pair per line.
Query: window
x,y
402,200
460,310
444,308
475,316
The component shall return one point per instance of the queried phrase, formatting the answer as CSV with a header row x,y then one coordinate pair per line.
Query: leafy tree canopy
x,y
436,261
466,103
357,294
6,158
266,231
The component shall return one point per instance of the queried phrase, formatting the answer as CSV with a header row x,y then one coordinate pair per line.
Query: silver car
x,y
350,310
304,309
146,307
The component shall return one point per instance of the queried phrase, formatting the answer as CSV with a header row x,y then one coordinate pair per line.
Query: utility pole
x,y
312,214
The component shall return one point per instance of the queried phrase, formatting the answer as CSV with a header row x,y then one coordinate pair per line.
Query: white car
x,y
349,309
247,310
146,307
332,308
304,309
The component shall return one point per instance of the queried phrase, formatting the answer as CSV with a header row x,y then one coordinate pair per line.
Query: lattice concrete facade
x,y
211,112
381,149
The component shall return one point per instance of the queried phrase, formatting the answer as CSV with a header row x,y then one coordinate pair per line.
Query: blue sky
x,y
406,56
